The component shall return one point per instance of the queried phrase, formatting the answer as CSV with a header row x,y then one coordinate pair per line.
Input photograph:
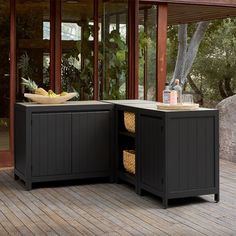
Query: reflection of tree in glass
x,y
77,64
115,66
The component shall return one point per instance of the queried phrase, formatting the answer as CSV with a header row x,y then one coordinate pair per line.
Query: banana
x,y
52,94
63,94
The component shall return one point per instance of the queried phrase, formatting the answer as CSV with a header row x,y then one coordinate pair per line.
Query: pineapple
x,y
33,87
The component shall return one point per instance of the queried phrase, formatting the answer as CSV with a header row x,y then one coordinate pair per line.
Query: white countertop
x,y
143,104
70,103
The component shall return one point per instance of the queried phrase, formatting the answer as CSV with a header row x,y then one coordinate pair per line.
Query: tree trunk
x,y
227,83
187,53
221,89
182,51
196,90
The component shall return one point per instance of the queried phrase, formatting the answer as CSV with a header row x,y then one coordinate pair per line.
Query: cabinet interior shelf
x,y
126,133
127,177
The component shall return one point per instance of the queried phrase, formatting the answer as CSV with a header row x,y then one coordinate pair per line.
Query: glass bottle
x,y
166,94
178,89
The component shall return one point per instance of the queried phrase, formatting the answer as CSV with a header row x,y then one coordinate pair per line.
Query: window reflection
x,y
113,49
33,43
147,52
77,31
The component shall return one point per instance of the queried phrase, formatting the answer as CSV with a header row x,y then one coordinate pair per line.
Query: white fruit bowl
x,y
49,100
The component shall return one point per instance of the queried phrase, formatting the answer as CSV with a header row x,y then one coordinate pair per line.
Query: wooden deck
x,y
111,209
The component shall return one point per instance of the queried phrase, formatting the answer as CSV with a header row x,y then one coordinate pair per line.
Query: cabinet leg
x,y
118,180
217,197
140,192
165,203
112,179
16,177
28,186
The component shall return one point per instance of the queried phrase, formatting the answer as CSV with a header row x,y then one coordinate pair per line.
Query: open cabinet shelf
x,y
125,141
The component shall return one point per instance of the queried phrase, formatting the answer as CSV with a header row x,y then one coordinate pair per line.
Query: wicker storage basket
x,y
129,161
129,120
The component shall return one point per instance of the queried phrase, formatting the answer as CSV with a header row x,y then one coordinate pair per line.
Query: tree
x,y
187,52
220,58
211,74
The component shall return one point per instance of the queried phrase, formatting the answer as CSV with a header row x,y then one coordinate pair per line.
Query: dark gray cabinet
x,y
177,153
63,142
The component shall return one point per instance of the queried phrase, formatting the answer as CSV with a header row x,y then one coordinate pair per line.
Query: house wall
x,y
6,156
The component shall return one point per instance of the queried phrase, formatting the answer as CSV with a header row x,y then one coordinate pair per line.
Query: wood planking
x,y
111,209
181,13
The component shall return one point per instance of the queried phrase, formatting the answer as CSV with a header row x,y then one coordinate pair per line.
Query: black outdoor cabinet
x,y
177,152
63,142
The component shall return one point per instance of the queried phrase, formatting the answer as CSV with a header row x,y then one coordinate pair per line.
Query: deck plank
x,y
112,209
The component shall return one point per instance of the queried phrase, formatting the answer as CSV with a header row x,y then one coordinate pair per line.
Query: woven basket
x,y
129,161
129,120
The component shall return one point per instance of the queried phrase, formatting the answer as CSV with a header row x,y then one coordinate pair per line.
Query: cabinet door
x,y
91,143
51,144
151,151
192,154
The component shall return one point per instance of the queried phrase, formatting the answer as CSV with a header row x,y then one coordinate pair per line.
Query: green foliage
x,y
77,65
115,66
214,70
215,66
24,65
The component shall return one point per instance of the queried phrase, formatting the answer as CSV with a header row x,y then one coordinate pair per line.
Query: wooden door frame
x,y
6,156
161,47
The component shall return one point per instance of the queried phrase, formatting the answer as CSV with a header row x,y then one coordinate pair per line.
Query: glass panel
x,y
33,43
147,52
113,49
77,47
4,74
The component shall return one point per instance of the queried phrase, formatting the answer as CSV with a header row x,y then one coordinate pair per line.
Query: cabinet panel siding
x,y
91,142
152,162
191,154
51,144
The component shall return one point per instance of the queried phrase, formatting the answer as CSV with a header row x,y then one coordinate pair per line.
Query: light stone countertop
x,y
70,103
143,104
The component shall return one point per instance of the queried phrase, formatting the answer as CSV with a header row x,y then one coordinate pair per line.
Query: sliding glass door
x,y
32,43
4,74
113,49
147,51
77,37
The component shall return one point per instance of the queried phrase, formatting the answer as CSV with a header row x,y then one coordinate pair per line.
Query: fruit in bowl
x,y
40,95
